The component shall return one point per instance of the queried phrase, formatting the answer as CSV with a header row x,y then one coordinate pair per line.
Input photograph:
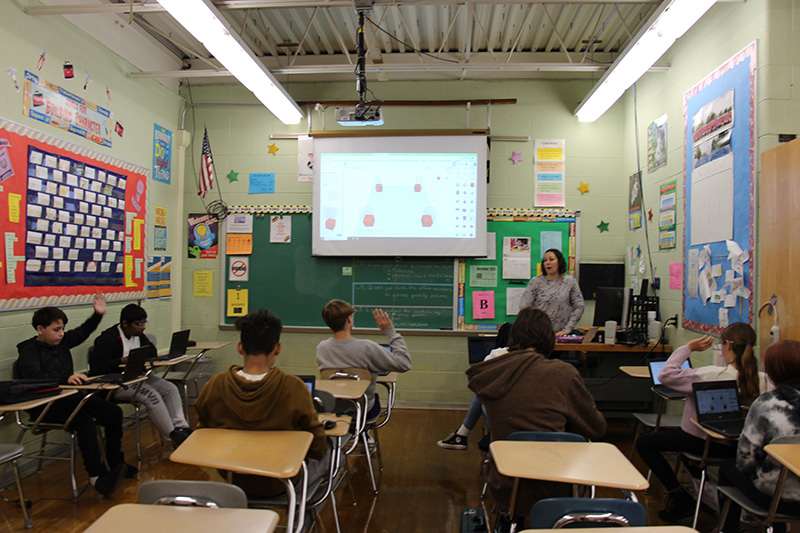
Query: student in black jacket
x,y
162,399
47,356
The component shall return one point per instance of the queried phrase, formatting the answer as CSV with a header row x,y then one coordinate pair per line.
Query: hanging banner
x,y
58,107
162,153
549,180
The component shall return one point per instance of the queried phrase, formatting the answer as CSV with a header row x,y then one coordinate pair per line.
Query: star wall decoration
x,y
649,215
233,176
584,188
516,157
602,226
273,148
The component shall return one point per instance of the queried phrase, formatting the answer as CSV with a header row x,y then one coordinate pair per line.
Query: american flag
x,y
206,167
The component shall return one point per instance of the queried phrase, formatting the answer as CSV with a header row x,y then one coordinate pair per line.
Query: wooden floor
x,y
423,487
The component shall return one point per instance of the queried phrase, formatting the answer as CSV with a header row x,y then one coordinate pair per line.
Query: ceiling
x,y
306,40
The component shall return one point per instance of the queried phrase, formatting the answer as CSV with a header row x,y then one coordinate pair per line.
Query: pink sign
x,y
675,276
483,304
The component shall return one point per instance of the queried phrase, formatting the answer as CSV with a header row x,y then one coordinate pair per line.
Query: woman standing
x,y
555,293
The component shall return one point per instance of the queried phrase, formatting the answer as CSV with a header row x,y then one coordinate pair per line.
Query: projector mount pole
x,y
361,67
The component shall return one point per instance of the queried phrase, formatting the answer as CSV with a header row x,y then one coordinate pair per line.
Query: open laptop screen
x,y
718,400
479,347
656,366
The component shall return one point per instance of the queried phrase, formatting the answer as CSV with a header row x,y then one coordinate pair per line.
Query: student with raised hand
x,y
162,398
48,356
556,293
525,390
736,345
773,414
345,351
258,396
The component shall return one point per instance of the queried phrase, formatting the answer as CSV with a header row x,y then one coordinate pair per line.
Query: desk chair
x,y
137,412
37,427
194,367
9,453
192,493
769,515
654,422
557,513
701,462
369,424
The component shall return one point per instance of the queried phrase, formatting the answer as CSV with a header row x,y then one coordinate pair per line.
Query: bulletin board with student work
x,y
719,196
277,271
489,288
73,222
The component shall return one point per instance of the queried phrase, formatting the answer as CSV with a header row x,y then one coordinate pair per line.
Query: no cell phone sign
x,y
239,268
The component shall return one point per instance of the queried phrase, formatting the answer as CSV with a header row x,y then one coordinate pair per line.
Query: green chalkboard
x,y
418,293
542,232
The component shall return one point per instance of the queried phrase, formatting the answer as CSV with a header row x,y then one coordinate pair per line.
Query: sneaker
x,y
185,431
108,482
177,437
454,441
677,506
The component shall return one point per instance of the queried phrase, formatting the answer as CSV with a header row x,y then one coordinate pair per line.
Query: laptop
x,y
134,367
479,347
655,370
177,347
311,383
718,407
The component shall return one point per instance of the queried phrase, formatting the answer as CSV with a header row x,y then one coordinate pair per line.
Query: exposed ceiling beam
x,y
153,7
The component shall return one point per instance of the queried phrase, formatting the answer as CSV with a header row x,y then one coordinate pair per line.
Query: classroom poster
x,y
166,277
160,229
75,222
54,105
635,201
262,183
667,218
549,180
305,158
657,143
162,153
153,277
203,236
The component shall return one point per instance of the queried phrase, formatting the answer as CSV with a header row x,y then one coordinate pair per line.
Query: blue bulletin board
x,y
719,196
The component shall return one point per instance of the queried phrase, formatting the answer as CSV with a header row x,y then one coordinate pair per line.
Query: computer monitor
x,y
611,303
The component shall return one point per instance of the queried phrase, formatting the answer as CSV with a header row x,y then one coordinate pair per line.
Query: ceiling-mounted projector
x,y
353,116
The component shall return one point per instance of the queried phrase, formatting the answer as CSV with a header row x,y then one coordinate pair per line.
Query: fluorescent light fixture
x,y
668,23
204,22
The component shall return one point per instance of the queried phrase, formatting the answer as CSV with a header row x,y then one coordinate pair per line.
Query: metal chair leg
x,y
22,504
138,432
73,480
369,462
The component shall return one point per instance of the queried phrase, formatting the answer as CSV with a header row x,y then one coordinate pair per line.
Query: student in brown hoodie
x,y
258,396
524,390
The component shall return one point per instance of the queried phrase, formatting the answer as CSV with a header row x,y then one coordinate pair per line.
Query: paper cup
x,y
611,331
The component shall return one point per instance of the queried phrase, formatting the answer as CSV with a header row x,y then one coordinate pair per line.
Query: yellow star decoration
x,y
273,148
584,188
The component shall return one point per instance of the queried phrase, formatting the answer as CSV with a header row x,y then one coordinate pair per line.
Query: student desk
x,y
788,455
275,454
135,518
579,463
201,348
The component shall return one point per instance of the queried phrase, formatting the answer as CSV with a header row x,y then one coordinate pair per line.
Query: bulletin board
x,y
283,276
73,222
544,229
719,196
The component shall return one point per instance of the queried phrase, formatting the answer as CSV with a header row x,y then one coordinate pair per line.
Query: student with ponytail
x,y
736,346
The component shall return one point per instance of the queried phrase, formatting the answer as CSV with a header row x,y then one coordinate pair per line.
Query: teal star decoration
x,y
638,251
233,176
602,226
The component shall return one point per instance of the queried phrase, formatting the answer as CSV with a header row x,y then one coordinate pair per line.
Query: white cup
x,y
611,331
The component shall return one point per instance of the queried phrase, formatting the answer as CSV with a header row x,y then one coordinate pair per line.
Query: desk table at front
x,y
579,463
616,392
243,451
135,518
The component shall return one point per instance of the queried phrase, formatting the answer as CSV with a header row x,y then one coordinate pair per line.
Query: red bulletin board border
x,y
15,140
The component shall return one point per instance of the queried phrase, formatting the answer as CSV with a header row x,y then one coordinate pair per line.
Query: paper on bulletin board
x,y
550,240
239,268
280,229
483,304
305,158
549,180
237,302
483,276
513,296
516,258
239,223
203,283
675,276
239,244
13,206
